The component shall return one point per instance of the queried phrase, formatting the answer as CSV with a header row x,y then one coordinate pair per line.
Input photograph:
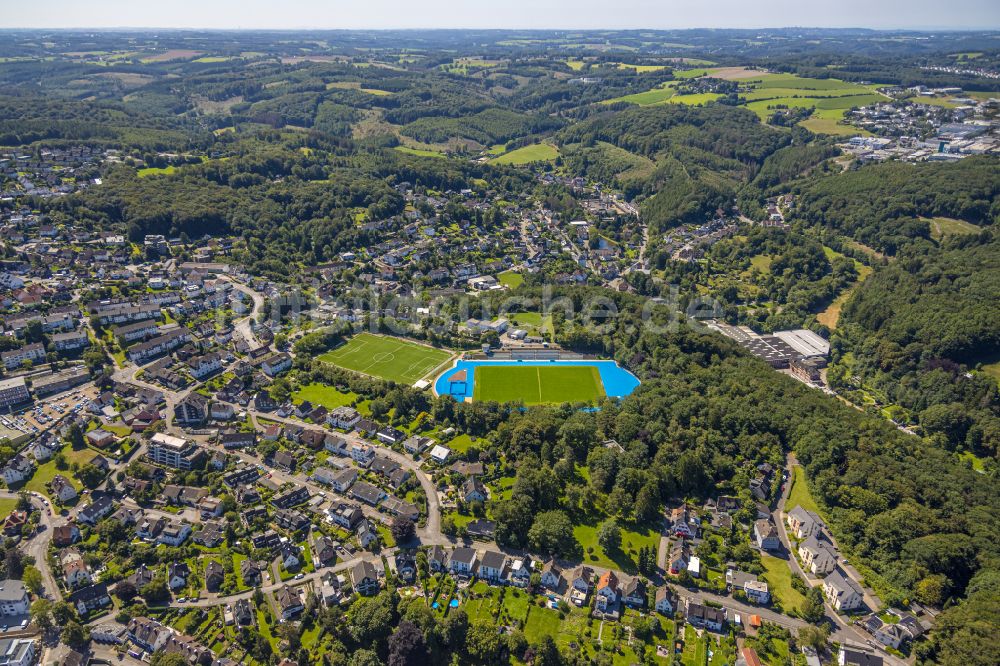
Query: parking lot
x,y
45,413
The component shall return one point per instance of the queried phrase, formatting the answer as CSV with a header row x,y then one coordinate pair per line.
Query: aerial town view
x,y
538,333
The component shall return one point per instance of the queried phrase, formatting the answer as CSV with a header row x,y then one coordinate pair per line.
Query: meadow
x,y
386,357
535,385
538,152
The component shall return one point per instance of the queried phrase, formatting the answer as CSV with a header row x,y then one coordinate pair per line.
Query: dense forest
x,y
701,155
915,327
882,205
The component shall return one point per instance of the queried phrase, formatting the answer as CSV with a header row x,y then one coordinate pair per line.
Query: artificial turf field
x,y
538,384
387,358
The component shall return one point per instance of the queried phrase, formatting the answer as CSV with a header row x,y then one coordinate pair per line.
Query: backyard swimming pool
x,y
459,381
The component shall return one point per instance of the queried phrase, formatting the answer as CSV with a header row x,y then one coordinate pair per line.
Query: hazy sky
x,y
521,14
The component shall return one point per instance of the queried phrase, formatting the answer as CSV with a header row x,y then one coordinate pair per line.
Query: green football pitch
x,y
538,384
387,358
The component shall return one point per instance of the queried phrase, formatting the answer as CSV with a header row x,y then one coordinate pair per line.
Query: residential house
x,y
14,523
633,592
367,493
174,533
756,590
665,601
243,613
765,535
437,559
345,515
473,490
818,557
580,581
90,598
192,410
251,572
677,558
842,593
364,578
75,570
14,598
290,555
343,417
17,469
492,566
325,551
62,489
178,574
463,561
803,523
215,575
606,594
366,533
363,454
684,523
849,656
552,577
406,566
705,617
276,364
65,534
289,602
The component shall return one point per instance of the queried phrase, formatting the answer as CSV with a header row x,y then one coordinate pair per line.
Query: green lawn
x,y
634,537
511,279
799,494
46,472
461,443
386,357
538,152
538,384
6,506
779,579
323,394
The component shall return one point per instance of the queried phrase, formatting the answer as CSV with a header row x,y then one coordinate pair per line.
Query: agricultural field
x,y
388,358
538,152
534,385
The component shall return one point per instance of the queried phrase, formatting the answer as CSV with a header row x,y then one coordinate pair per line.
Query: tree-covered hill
x,y
880,205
